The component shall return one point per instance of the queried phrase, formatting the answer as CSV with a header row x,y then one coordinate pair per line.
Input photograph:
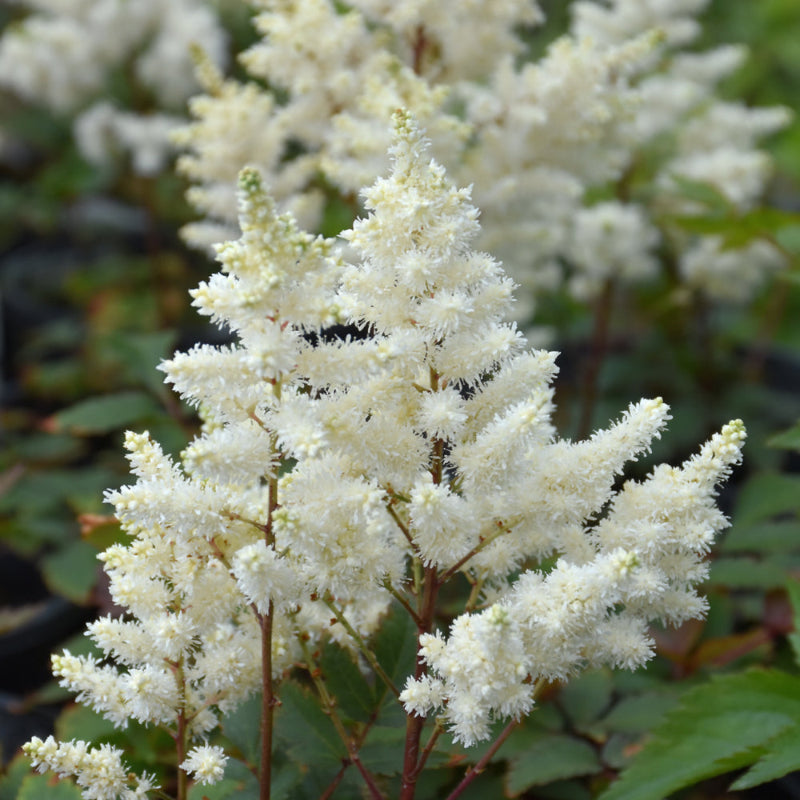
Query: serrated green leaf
x,y
382,753
586,698
766,495
36,787
72,571
748,573
552,758
395,646
640,712
108,413
306,731
782,757
344,680
243,728
723,725
712,746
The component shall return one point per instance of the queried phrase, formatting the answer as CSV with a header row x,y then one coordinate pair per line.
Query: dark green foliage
x,y
752,718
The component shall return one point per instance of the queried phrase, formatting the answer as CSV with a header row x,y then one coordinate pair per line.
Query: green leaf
x,y
788,440
720,726
793,591
640,712
584,699
382,753
306,731
782,757
395,647
16,772
344,680
72,571
111,412
37,787
140,353
81,722
552,758
748,573
243,728
704,193
789,238
766,495
762,537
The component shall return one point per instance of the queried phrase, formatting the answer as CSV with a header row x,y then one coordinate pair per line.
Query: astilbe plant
x,y
337,476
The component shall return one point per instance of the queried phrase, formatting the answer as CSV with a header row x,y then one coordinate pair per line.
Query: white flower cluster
x,y
425,447
99,771
64,53
617,95
207,764
702,137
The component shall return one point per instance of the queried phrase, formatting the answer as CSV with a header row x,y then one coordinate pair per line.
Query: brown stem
x,y
448,573
351,744
268,700
480,766
414,723
362,646
267,705
180,736
337,779
403,602
432,739
403,527
419,46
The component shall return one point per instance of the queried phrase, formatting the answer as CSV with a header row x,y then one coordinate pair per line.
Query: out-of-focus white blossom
x,y
103,132
63,55
610,241
697,136
730,274
533,138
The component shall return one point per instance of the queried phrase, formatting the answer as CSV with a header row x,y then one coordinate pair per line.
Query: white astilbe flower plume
x,y
333,473
489,489
203,566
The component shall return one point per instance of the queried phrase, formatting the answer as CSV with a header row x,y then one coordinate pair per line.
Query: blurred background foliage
x,y
93,283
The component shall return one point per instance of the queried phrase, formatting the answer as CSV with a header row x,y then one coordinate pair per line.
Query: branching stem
x,y
328,704
268,699
362,645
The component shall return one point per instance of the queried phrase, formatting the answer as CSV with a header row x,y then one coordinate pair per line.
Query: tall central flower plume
x,y
335,474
